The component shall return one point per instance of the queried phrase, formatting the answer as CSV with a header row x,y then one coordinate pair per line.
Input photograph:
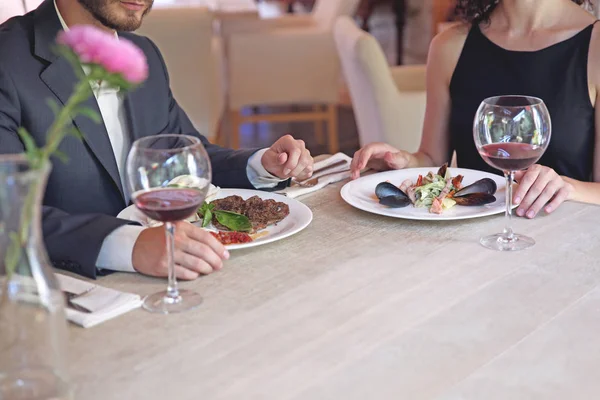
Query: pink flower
x,y
116,56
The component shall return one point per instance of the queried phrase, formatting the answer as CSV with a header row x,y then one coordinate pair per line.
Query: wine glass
x,y
154,165
511,134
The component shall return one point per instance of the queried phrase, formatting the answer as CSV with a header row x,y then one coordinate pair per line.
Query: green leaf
x,y
91,114
13,253
207,217
76,133
31,150
72,58
61,156
53,106
234,221
206,213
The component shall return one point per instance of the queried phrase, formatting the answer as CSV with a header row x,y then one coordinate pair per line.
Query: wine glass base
x,y
160,303
500,243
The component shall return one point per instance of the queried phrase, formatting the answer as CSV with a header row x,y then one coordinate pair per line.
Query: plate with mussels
x,y
428,194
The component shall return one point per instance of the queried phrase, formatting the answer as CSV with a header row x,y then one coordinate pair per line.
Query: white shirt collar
x,y
95,86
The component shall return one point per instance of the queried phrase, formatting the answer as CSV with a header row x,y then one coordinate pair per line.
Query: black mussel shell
x,y
385,189
442,171
474,199
485,185
391,196
394,201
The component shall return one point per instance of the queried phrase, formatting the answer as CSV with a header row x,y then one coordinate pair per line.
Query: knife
x,y
324,169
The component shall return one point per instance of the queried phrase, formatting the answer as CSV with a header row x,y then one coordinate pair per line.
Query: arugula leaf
x,y
234,221
206,212
208,215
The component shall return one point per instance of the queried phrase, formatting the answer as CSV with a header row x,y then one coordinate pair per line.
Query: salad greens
x,y
233,221
431,187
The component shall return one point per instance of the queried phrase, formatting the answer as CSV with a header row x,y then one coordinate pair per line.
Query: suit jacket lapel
x,y
133,103
61,79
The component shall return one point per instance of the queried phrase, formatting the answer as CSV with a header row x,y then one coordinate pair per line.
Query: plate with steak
x,y
272,217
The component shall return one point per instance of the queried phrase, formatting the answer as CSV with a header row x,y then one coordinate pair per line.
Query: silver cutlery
x,y
321,170
314,181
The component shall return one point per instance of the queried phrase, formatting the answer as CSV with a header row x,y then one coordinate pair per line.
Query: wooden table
x,y
222,8
361,307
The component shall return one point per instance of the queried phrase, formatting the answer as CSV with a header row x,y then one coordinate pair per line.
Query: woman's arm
x,y
541,187
589,192
444,53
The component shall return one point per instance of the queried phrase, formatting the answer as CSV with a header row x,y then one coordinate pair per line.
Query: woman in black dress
x,y
544,48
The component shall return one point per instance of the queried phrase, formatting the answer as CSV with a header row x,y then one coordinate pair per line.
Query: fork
x,y
314,181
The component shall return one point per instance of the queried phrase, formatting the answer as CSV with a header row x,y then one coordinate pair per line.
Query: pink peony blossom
x,y
116,56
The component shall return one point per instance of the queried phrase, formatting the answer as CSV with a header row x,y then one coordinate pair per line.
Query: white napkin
x,y
104,303
133,214
332,175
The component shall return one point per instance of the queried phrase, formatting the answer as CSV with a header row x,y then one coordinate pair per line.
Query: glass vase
x,y
33,328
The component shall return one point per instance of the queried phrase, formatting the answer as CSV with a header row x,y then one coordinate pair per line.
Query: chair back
x,y
194,59
325,12
388,107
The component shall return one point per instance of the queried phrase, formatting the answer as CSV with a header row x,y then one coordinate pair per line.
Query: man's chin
x,y
128,24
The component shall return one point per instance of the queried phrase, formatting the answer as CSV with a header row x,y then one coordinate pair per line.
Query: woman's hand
x,y
540,187
380,157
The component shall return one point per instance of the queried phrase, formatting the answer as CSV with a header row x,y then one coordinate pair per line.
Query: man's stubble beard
x,y
101,12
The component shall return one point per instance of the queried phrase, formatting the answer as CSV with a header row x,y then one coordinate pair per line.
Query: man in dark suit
x,y
83,196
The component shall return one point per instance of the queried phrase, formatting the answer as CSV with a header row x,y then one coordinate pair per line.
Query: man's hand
x,y
197,252
288,158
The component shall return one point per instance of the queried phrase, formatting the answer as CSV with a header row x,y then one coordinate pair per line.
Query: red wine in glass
x,y
169,204
153,163
511,134
511,156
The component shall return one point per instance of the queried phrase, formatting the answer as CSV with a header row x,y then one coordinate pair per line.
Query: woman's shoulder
x,y
446,47
452,33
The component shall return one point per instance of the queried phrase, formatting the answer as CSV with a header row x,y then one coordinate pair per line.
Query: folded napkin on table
x,y
329,176
104,303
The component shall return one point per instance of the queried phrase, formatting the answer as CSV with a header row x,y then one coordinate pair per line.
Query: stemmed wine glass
x,y
154,164
511,134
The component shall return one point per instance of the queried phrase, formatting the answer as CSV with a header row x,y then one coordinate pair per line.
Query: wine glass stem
x,y
172,290
508,232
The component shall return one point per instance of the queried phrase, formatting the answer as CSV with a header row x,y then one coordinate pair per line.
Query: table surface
x,y
359,306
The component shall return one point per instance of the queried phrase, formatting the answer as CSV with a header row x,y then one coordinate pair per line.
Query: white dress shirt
x,y
117,249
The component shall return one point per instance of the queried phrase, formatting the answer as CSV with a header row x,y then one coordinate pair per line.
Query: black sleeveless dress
x,y
556,74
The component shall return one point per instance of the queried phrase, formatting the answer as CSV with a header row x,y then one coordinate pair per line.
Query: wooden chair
x,y
289,60
194,58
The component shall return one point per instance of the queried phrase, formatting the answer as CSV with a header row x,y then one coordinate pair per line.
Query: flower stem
x,y
57,132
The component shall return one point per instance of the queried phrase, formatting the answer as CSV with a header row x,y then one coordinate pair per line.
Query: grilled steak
x,y
231,203
261,213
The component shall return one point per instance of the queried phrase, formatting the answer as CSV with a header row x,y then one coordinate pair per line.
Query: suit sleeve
x,y
73,242
228,166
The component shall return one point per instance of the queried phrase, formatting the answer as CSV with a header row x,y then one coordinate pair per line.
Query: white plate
x,y
361,194
299,218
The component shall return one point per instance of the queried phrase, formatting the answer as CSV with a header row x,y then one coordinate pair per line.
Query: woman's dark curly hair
x,y
479,10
